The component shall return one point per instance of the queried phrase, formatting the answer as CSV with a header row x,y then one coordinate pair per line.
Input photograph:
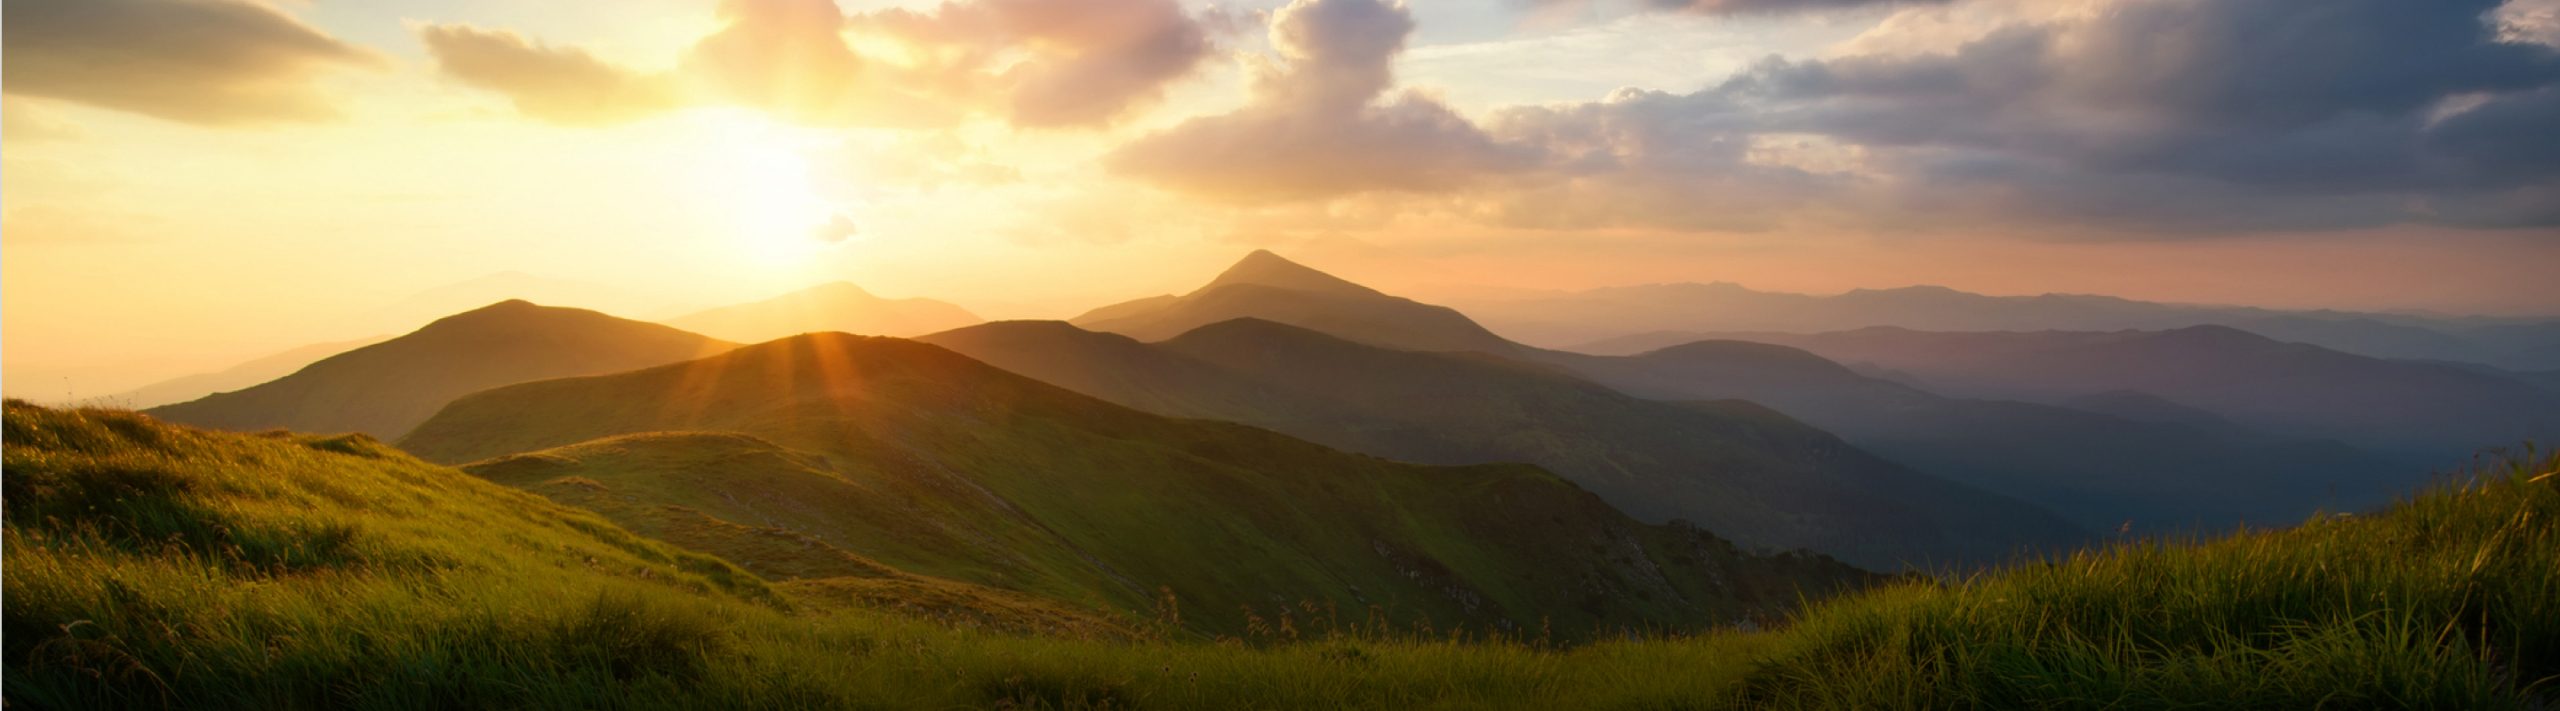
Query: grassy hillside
x,y
836,306
386,388
929,462
1760,479
151,566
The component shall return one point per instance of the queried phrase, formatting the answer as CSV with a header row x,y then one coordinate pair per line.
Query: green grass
x,y
935,464
155,566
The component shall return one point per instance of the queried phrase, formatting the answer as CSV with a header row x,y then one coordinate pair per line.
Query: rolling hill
x,y
1268,287
1748,474
2099,470
835,306
939,465
386,388
2424,409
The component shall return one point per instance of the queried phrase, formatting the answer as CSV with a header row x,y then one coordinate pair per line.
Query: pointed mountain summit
x,y
386,388
1267,286
834,306
1263,268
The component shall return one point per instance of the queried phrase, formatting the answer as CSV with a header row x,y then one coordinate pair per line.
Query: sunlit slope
x,y
153,566
1754,477
933,463
386,388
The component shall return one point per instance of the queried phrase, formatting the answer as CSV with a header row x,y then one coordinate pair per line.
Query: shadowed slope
x,y
2100,470
942,465
836,306
386,388
1754,476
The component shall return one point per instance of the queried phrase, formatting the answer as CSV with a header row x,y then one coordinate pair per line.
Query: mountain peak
x,y
1263,268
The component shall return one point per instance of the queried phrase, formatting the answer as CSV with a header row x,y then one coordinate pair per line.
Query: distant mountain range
x,y
1739,470
1664,314
927,461
386,388
2099,470
2440,412
831,307
240,376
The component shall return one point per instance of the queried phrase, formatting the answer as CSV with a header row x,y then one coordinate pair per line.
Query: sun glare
x,y
758,175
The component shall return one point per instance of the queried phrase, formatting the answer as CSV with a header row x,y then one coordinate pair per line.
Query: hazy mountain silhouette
x,y
2097,469
235,377
2425,409
386,388
1265,286
834,306
1747,474
930,462
1635,319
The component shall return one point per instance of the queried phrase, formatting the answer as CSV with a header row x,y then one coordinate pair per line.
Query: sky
x,y
186,184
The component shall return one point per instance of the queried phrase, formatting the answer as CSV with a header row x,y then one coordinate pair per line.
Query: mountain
x,y
386,388
835,306
235,377
935,464
2098,470
2425,409
1745,473
1634,319
1266,286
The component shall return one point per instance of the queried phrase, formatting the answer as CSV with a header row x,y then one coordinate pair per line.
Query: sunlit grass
x,y
154,566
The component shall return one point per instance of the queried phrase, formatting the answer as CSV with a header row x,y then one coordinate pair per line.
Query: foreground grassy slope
x,y
936,464
151,566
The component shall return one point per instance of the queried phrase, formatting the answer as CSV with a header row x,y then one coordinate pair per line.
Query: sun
x,y
758,175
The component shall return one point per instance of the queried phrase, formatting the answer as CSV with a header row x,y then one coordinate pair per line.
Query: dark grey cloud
x,y
215,62
2174,117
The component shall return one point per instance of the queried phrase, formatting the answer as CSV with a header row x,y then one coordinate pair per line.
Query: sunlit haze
x,y
317,165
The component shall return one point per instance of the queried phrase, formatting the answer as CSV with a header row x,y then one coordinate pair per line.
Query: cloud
x,y
1749,7
2167,117
21,123
1319,123
561,85
1034,63
1771,7
835,230
1071,64
211,62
